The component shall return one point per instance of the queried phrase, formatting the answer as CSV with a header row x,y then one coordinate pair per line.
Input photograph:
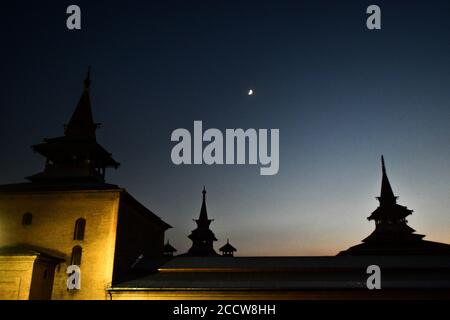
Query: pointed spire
x,y
386,195
203,218
81,124
202,237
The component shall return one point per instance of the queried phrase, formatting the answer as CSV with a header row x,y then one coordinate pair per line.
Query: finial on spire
x,y
228,240
87,81
383,167
203,218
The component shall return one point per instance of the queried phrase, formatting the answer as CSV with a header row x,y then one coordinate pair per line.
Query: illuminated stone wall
x,y
15,277
54,215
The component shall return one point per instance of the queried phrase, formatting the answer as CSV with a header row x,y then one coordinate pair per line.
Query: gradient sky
x,y
340,94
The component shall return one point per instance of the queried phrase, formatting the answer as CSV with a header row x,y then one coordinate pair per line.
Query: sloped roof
x,y
28,250
147,213
227,248
56,186
288,273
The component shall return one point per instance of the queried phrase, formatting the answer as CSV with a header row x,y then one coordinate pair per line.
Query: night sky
x,y
340,94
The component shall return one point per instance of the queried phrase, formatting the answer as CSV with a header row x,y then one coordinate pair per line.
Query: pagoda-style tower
x,y
227,250
390,217
67,215
76,156
392,235
168,249
202,237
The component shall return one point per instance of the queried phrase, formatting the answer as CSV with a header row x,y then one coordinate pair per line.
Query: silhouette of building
x,y
76,156
392,235
68,215
272,278
407,268
202,237
228,250
168,249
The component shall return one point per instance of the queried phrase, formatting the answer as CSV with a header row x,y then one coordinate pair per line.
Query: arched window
x,y
79,229
27,218
76,256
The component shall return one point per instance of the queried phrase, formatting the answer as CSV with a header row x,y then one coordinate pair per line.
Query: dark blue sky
x,y
340,94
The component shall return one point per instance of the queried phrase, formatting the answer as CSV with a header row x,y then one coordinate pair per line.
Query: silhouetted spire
x,y
202,237
76,156
392,234
386,195
203,218
81,124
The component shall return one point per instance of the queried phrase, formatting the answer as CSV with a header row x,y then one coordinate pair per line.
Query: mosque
x,y
68,215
